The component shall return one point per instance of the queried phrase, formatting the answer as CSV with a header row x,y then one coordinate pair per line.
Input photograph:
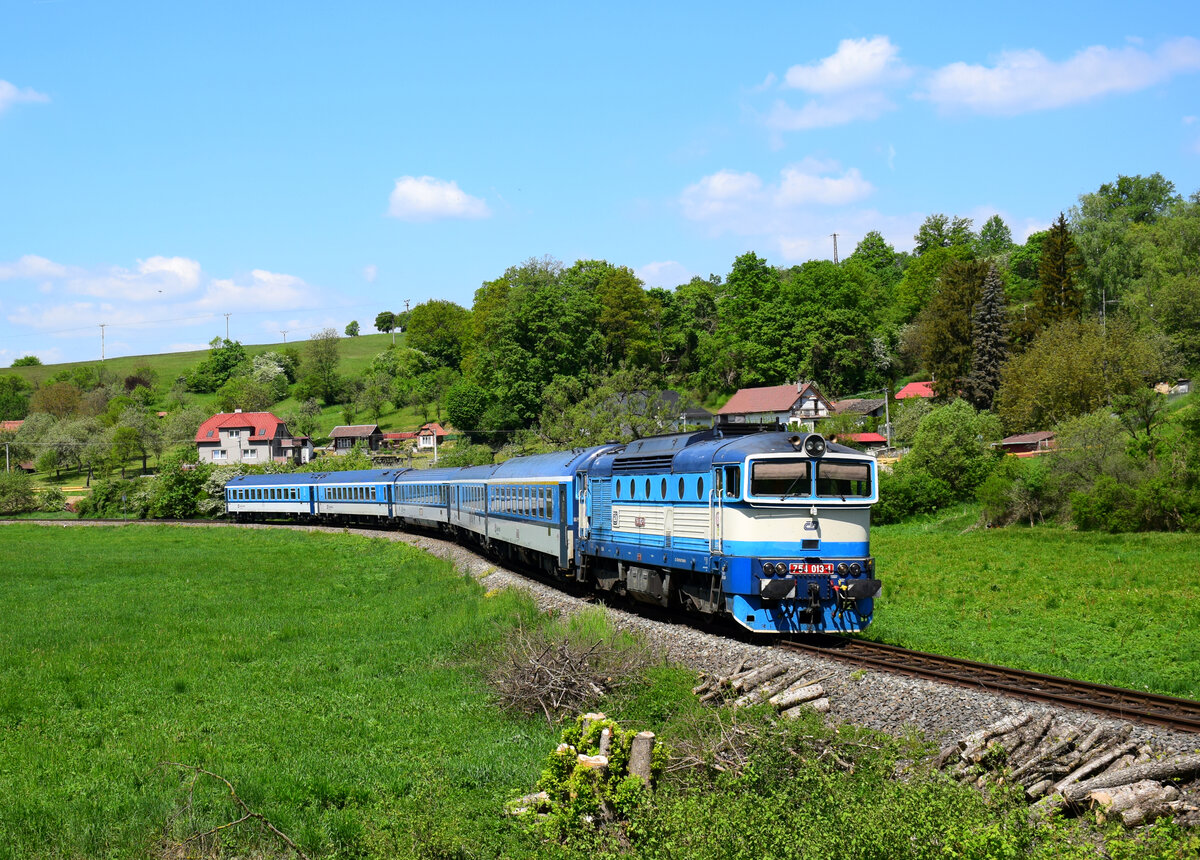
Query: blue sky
x,y
300,165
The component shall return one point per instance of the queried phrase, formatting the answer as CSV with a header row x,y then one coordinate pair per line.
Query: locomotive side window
x,y
843,480
663,489
647,488
618,483
780,478
681,489
700,487
733,481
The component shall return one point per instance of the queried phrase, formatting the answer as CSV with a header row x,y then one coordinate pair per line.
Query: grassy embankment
x,y
336,681
1112,609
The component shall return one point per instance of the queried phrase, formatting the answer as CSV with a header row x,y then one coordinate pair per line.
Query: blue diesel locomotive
x,y
769,528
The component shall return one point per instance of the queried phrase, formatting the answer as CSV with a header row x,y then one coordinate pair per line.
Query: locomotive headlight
x,y
768,568
780,568
814,445
855,569
842,568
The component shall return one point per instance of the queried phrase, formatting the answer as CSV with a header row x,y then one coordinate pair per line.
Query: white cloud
x,y
10,94
795,215
857,64
427,198
848,86
667,273
370,271
180,269
31,267
1023,81
826,114
803,184
265,291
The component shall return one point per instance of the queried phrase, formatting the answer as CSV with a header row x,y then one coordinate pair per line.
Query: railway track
x,y
1133,705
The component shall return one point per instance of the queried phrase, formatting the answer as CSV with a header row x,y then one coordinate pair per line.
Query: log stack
x,y
1093,768
789,690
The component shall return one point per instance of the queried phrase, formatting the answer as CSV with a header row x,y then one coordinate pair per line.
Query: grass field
x,y
333,679
336,681
1112,609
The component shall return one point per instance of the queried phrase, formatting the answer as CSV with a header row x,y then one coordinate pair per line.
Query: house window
x,y
219,454
250,454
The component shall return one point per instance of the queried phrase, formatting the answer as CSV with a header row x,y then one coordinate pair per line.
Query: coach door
x,y
583,503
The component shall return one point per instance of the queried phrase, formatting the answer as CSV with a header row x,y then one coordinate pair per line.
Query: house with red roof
x,y
431,435
916,389
867,441
250,437
801,403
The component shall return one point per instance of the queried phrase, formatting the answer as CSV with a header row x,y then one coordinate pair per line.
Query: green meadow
x,y
1122,609
338,683
334,680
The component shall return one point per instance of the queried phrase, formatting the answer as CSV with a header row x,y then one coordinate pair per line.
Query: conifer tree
x,y
989,342
1060,276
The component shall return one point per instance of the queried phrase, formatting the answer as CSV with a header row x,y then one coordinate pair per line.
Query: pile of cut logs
x,y
1076,768
789,690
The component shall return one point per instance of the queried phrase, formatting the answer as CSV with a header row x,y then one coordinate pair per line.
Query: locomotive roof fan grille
x,y
811,444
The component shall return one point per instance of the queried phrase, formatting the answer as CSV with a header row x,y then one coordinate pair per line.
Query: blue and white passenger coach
x,y
769,528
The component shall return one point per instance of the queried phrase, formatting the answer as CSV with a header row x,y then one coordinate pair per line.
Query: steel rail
x,y
1133,705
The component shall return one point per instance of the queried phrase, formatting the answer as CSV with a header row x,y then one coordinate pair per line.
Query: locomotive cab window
x,y
843,480
780,478
733,481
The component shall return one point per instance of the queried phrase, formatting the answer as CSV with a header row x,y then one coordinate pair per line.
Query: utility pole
x,y
226,326
102,325
284,333
835,259
1104,303
887,414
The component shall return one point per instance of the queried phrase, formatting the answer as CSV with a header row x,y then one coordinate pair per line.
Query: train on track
x,y
766,527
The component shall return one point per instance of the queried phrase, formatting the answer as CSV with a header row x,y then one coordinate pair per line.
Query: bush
x,y
16,493
52,500
105,501
906,492
1018,490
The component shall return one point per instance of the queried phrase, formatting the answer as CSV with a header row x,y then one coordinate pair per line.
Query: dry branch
x,y
248,813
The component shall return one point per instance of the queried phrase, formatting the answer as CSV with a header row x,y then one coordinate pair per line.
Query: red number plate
x,y
798,567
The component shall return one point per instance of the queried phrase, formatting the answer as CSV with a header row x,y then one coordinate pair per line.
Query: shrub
x,y
906,492
16,493
1018,490
52,500
105,501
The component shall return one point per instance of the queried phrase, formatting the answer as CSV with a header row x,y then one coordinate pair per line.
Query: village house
x,y
923,390
250,437
346,436
801,404
1028,444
